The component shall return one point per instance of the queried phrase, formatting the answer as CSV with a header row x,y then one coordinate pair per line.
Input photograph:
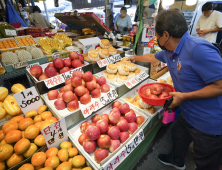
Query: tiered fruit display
x,y
20,138
81,87
63,39
58,66
109,131
25,41
9,43
66,158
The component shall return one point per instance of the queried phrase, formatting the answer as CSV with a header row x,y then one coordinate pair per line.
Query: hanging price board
x,y
136,80
122,154
67,75
10,32
112,59
55,133
28,100
31,65
54,56
54,81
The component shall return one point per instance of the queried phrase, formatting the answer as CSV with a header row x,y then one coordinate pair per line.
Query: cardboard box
x,y
87,44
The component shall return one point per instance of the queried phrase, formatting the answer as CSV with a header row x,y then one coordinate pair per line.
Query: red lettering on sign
x,y
57,124
47,130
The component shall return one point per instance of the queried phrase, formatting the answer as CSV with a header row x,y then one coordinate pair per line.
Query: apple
x,y
43,77
36,71
104,141
89,125
82,138
139,120
76,63
77,74
60,104
53,94
92,133
60,95
87,76
89,146
85,99
132,127
156,89
122,125
163,95
63,70
68,87
114,132
98,86
76,81
147,93
67,62
117,104
83,83
80,91
102,125
124,108
95,93
61,89
68,96
105,117
68,81
50,71
73,105
58,63
105,88
114,144
91,85
114,116
96,118
100,154
153,96
75,97
94,79
83,126
87,91
101,80
50,64
73,55
123,136
130,116
81,58
121,118
110,125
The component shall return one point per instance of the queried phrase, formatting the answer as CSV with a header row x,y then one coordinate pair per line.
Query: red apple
x,y
95,93
36,71
60,95
123,136
89,145
68,87
100,154
50,64
156,89
104,141
92,133
102,125
71,68
73,55
139,120
63,70
98,86
77,74
83,126
50,71
75,97
87,76
76,81
53,94
114,116
114,144
153,96
130,116
121,118
101,80
132,127
61,89
114,132
105,117
80,91
68,96
60,104
105,88
124,108
73,105
122,125
81,58
43,77
110,125
91,85
58,63
96,118
94,79
117,104
163,95
76,63
147,93
87,91
83,83
67,62
89,125
82,138
68,81
85,99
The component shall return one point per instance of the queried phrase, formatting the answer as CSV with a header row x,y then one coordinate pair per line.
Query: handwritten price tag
x,y
20,64
55,133
10,32
54,81
67,75
112,59
54,56
136,80
110,96
122,154
31,65
28,99
161,112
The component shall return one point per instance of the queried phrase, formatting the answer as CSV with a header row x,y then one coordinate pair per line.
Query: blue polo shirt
x,y
193,65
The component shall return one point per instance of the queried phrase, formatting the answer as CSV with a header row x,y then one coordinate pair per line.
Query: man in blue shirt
x,y
195,66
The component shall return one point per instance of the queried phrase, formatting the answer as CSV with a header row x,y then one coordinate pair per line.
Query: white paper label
x,y
31,65
122,154
10,32
28,99
112,59
136,80
54,81
54,56
20,64
161,112
55,133
67,75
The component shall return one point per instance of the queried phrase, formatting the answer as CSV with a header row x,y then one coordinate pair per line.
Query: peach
x,y
68,96
76,63
114,144
83,83
96,118
139,120
58,63
92,133
122,125
156,89
100,154
102,125
76,81
91,85
85,99
67,62
98,86
132,127
130,116
117,104
77,74
87,76
53,94
114,116
80,91
96,93
89,146
94,79
101,80
124,108
73,105
81,58
105,88
68,87
124,136
114,133
68,81
104,141
105,117
60,104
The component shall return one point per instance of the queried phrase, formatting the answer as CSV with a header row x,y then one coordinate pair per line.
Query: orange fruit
x,y
63,155
22,146
87,168
3,142
14,160
31,150
6,152
31,132
9,126
31,113
2,166
38,125
38,159
37,118
24,123
78,161
45,124
2,135
39,167
70,161
42,109
65,145
63,166
40,140
51,120
53,151
52,161
13,136
17,118
70,165
76,168
46,114
73,152
26,167
46,168
23,134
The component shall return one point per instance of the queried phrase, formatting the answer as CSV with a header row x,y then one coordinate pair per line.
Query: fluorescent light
x,y
89,1
191,2
127,6
167,2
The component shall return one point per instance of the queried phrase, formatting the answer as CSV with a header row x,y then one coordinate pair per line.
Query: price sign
x,y
161,112
67,75
28,99
20,64
108,97
31,65
10,32
122,154
136,80
54,56
112,59
55,133
54,81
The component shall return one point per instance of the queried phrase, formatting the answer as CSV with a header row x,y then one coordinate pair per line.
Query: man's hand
x,y
203,32
132,59
177,99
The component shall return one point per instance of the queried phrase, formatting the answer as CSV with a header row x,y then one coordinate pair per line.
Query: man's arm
x,y
211,30
144,58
